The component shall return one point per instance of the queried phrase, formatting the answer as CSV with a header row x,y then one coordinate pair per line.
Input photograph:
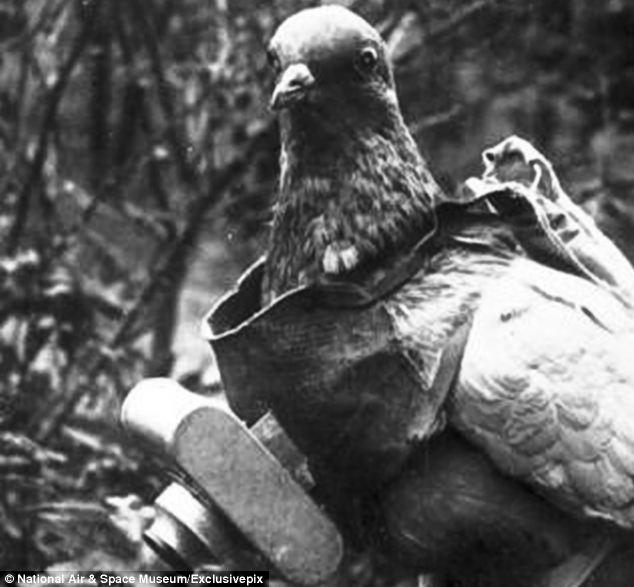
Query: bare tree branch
x,y
460,17
435,119
176,139
173,261
52,103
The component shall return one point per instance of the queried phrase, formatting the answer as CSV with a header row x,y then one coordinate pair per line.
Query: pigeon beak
x,y
292,86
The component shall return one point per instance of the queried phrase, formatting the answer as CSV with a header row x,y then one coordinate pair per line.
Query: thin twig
x,y
460,17
175,138
47,12
48,123
436,119
444,29
20,102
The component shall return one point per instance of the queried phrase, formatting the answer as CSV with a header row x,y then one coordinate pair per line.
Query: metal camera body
x,y
240,490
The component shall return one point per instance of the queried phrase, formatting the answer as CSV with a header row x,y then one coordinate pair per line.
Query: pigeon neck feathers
x,y
355,192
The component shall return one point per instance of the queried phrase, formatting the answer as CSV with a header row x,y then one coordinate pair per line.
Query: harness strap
x,y
576,570
451,359
452,222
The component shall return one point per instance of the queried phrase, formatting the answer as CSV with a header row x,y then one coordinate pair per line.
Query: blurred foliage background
x,y
137,165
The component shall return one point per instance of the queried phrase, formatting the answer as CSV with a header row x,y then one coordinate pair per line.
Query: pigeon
x,y
543,389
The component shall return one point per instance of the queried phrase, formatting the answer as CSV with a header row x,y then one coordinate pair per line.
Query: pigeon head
x,y
354,189
329,60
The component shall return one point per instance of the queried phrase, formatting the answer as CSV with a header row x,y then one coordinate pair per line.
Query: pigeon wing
x,y
546,389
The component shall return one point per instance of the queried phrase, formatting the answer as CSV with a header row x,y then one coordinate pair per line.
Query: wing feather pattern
x,y
546,388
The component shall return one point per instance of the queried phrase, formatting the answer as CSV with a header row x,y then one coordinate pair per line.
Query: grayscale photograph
x,y
317,293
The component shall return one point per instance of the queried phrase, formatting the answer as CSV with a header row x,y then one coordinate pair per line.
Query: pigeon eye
x,y
274,61
368,58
